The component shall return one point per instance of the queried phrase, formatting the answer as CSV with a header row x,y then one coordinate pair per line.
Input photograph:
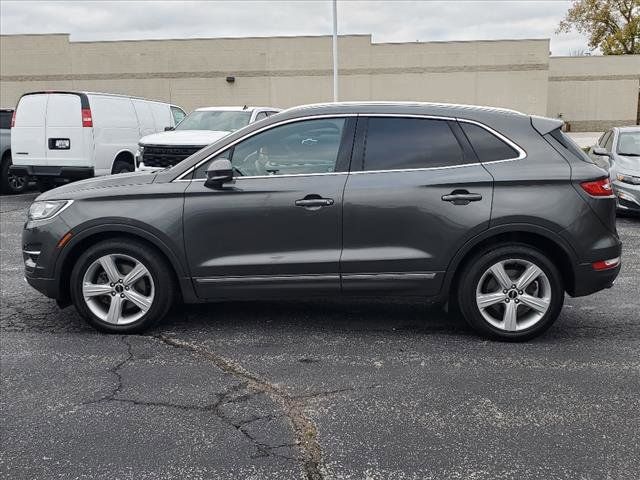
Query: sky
x,y
387,21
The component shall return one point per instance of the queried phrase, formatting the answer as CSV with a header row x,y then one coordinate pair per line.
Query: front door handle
x,y
461,197
314,202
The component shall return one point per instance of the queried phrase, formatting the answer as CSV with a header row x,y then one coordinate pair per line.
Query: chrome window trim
x,y
521,153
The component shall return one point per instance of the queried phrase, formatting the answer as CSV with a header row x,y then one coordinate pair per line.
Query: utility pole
x,y
335,50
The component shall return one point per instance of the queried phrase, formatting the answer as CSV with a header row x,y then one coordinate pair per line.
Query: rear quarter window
x,y
567,144
487,146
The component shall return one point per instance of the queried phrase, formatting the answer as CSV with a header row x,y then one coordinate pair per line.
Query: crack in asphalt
x,y
305,432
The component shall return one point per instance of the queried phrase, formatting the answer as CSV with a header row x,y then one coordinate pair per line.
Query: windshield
x,y
221,120
629,144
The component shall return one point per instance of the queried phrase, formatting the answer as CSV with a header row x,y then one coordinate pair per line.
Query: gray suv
x,y
496,212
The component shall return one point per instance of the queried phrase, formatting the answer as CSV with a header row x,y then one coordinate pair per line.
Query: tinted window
x,y
399,143
261,115
305,147
487,146
5,119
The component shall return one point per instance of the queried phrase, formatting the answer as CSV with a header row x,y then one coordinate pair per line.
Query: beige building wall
x,y
280,71
594,93
287,71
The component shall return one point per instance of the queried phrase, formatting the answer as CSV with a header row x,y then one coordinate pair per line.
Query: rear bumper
x,y
69,173
587,280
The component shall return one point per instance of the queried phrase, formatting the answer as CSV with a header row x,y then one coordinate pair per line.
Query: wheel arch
x,y
549,243
85,239
124,155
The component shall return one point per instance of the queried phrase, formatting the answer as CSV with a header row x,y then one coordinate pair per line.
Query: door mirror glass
x,y
219,172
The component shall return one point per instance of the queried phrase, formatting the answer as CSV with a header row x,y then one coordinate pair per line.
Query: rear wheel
x,y
9,182
512,293
121,286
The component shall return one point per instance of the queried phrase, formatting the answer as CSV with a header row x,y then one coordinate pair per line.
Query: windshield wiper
x,y
629,154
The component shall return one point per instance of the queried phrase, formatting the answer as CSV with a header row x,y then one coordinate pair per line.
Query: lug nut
x,y
113,294
513,286
126,288
111,284
120,281
520,292
506,300
503,291
122,295
517,301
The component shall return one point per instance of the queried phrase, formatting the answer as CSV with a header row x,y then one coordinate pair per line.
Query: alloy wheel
x,y
118,289
513,294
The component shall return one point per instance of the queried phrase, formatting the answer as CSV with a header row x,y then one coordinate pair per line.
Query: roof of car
x,y
234,109
427,108
630,128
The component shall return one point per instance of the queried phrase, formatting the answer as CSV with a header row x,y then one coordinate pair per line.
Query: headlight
x,y
47,209
140,149
628,179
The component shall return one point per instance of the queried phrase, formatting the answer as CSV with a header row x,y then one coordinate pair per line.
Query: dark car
x,y
494,211
9,182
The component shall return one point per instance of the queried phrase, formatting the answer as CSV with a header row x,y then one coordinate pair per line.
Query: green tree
x,y
612,25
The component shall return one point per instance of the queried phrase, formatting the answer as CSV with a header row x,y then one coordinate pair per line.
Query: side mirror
x,y
219,172
601,152
168,129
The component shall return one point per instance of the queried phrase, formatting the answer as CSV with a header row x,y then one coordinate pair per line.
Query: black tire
x,y
44,184
122,166
152,260
10,183
472,274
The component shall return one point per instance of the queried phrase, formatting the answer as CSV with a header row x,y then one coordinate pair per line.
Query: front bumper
x,y
627,196
52,172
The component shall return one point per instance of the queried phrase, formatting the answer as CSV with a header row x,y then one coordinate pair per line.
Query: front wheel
x,y
512,293
121,286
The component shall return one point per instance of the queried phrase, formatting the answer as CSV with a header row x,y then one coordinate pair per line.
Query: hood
x,y
73,189
183,137
630,165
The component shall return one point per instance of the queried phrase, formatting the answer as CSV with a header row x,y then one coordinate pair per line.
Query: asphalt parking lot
x,y
317,389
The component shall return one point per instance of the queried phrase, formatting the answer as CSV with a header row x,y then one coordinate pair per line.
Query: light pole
x,y
335,50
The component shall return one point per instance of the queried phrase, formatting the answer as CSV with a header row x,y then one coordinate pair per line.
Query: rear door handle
x,y
314,202
461,197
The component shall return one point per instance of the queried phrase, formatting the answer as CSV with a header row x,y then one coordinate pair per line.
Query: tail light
x,y
13,119
87,120
606,264
598,188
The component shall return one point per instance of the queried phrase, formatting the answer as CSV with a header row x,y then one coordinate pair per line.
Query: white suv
x,y
200,128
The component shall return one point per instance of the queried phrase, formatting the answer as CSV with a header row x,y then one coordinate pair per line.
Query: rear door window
x,y
487,146
409,143
64,111
31,111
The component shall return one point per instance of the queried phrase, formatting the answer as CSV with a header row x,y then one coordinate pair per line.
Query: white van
x,y
59,136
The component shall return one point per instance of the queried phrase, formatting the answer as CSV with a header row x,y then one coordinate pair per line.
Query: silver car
x,y
618,150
